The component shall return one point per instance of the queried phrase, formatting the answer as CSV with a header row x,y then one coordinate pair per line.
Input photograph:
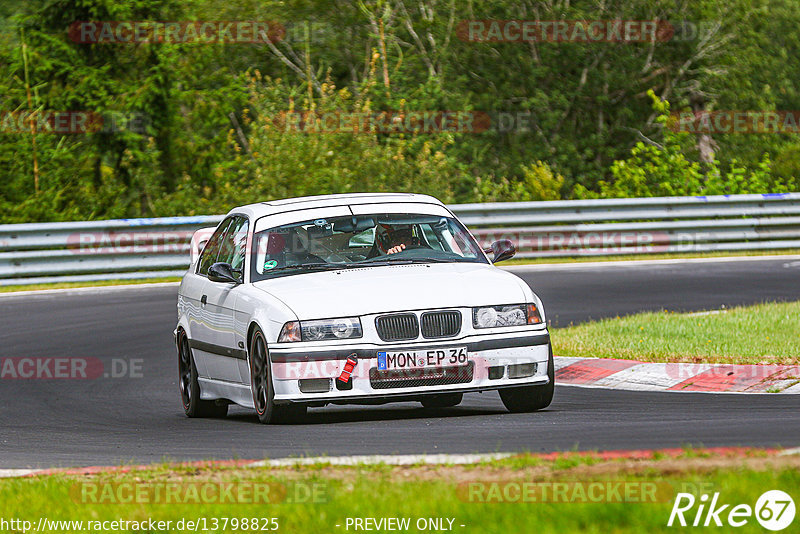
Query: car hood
x,y
369,290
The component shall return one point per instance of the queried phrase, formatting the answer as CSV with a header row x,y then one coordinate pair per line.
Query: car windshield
x,y
359,241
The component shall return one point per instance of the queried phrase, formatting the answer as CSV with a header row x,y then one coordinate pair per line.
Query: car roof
x,y
272,207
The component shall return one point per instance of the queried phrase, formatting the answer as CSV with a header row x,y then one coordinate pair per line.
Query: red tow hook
x,y
352,361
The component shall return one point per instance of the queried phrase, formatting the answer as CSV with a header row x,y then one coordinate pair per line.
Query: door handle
x,y
204,299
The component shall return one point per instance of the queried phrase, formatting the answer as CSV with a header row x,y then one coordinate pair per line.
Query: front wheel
x,y
261,386
193,406
530,398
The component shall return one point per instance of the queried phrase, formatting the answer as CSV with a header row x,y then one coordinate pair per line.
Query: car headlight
x,y
511,315
345,328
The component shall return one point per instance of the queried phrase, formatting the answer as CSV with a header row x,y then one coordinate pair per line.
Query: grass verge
x,y
639,257
100,283
763,334
523,494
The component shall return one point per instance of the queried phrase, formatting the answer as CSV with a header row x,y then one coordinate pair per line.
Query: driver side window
x,y
234,243
211,250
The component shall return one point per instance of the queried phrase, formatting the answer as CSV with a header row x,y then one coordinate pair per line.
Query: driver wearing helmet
x,y
394,238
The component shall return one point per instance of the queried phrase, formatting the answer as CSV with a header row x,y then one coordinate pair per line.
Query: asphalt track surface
x,y
108,421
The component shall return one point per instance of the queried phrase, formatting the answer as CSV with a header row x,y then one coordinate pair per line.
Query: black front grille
x,y
410,378
398,327
441,324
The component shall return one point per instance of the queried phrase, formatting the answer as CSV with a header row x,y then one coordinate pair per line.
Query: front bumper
x,y
489,358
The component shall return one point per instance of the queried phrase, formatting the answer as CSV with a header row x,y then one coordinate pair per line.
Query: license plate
x,y
423,358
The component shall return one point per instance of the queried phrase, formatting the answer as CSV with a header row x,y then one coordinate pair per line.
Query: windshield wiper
x,y
306,267
432,260
405,261
356,265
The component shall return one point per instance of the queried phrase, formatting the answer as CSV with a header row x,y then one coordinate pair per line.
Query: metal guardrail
x,y
97,250
640,225
159,248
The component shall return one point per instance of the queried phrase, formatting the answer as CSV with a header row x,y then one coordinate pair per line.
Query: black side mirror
x,y
223,272
501,250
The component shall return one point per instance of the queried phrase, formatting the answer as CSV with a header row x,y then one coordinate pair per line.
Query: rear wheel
x,y
444,400
530,398
261,385
193,406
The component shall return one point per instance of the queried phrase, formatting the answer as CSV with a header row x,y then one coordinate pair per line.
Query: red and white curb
x,y
349,461
408,460
707,377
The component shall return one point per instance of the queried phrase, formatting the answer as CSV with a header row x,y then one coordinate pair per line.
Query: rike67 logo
x,y
774,510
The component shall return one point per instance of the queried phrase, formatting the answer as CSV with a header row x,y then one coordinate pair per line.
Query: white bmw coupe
x,y
358,298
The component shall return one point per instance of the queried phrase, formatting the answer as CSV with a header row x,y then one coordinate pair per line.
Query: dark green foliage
x,y
204,137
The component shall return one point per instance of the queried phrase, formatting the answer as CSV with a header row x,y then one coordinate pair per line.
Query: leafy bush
x,y
574,115
665,170
538,182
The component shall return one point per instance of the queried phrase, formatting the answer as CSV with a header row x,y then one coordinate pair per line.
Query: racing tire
x,y
444,400
189,388
261,386
531,398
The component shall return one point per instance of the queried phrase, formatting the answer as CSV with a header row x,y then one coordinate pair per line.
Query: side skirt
x,y
240,394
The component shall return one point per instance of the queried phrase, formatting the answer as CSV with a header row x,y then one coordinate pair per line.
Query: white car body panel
x,y
219,329
396,288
